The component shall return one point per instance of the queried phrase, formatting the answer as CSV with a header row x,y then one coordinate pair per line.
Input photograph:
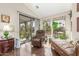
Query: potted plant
x,y
6,34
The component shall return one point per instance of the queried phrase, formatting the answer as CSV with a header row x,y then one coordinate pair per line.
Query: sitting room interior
x,y
39,29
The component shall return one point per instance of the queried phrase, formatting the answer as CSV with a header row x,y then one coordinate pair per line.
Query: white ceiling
x,y
48,9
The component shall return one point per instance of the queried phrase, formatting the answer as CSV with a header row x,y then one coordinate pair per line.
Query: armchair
x,y
39,38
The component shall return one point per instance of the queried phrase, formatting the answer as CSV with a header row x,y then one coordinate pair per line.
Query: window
x,y
59,31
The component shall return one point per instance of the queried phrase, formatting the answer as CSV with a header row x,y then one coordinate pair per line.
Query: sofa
x,y
63,48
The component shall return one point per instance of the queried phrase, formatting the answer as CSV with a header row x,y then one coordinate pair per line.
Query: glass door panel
x,y
22,32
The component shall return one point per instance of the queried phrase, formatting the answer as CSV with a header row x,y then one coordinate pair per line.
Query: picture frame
x,y
5,18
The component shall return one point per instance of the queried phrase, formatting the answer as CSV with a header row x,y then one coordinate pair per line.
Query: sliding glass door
x,y
28,27
26,31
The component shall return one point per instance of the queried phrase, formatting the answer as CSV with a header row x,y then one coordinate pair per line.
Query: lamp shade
x,y
7,28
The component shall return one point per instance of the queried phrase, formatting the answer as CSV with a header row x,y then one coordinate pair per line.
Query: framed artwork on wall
x,y
5,18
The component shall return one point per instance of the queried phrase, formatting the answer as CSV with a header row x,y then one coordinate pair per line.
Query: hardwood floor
x,y
27,50
15,52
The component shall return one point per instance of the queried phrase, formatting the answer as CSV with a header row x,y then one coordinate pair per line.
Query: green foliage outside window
x,y
56,29
55,26
46,26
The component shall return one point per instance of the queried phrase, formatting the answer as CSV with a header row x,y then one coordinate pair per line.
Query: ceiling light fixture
x,y
37,7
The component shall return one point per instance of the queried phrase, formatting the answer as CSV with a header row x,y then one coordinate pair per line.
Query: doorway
x,y
28,27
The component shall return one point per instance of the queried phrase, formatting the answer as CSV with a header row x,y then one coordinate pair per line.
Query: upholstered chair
x,y
39,38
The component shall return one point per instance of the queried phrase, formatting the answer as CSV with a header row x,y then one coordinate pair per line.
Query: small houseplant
x,y
6,34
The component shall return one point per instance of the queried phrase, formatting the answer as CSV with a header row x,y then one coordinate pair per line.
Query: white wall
x,y
11,10
75,14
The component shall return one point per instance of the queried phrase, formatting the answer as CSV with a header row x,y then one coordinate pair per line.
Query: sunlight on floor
x,y
26,49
